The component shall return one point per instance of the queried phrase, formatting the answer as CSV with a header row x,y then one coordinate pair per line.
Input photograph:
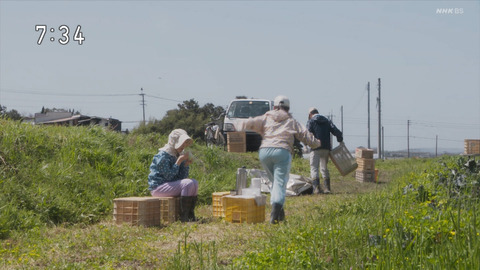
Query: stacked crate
x,y
169,209
472,147
146,211
237,142
217,203
137,211
366,165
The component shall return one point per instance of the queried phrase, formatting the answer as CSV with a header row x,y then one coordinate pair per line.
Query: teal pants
x,y
277,162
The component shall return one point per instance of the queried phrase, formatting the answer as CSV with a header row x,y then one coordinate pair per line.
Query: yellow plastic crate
x,y
169,209
137,211
243,210
217,203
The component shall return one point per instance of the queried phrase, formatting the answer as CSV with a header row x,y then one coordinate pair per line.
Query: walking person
x,y
278,129
169,174
321,128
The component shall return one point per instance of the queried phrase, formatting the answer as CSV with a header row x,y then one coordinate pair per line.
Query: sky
x,y
318,53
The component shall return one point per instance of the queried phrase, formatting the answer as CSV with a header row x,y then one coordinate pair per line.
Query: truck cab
x,y
239,110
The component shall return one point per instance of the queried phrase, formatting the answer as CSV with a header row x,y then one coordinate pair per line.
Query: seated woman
x,y
169,174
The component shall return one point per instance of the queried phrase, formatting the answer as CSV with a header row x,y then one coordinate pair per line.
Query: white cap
x,y
281,100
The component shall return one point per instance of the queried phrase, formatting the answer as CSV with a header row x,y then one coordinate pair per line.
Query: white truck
x,y
240,110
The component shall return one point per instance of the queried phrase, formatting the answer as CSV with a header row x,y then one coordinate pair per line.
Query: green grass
x,y
57,185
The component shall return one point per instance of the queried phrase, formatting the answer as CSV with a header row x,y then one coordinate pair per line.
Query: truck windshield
x,y
247,108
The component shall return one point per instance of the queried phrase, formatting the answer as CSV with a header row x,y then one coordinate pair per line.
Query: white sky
x,y
318,53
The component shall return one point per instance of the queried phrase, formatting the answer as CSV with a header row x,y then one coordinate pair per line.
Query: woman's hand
x,y
182,158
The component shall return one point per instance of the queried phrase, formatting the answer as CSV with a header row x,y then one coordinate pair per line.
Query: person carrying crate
x,y
321,128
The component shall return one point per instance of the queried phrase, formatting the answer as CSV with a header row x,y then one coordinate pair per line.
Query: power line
x,y
169,99
64,94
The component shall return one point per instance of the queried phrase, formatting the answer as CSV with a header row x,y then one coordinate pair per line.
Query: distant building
x,y
69,119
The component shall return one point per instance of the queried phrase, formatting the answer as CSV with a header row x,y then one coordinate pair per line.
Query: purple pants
x,y
184,187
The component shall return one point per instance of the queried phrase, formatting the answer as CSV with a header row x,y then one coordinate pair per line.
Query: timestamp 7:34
x,y
65,31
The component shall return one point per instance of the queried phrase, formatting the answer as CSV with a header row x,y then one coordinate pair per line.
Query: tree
x,y
188,116
12,114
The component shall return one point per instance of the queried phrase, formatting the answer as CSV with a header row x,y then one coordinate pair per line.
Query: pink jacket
x,y
278,129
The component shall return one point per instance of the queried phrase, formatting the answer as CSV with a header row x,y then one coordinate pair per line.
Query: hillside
x,y
57,185
70,175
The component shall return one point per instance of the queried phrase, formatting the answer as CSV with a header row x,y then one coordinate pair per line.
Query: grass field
x,y
57,186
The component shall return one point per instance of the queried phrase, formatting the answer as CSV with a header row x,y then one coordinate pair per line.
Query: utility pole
x,y
143,104
368,109
379,102
341,115
408,138
383,142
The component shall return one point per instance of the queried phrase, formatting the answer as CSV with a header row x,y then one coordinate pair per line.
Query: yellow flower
x,y
452,232
387,230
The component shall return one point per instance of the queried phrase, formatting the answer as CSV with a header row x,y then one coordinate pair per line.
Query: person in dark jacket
x,y
321,128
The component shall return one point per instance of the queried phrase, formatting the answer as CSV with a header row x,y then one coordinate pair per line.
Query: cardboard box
x,y
137,211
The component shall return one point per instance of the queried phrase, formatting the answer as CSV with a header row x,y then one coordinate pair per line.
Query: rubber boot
x,y
326,183
276,214
191,213
281,216
316,186
187,208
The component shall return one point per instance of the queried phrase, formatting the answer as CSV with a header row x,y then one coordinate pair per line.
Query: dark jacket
x,y
321,128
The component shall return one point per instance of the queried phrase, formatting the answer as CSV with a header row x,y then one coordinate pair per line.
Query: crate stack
x,y
366,165
146,211
472,147
169,209
137,211
237,142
